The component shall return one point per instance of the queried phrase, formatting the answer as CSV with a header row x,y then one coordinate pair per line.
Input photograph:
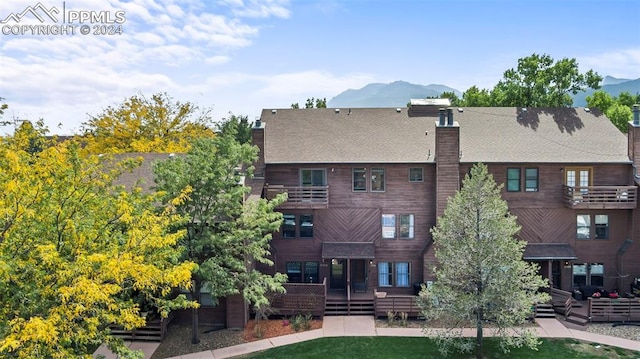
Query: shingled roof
x,y
487,134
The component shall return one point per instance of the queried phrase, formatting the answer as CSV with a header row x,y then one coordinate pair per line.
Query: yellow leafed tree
x,y
140,124
78,253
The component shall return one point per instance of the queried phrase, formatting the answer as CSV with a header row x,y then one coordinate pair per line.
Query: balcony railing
x,y
307,197
600,197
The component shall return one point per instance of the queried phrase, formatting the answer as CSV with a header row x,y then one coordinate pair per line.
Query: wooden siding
x,y
237,311
356,216
257,138
447,165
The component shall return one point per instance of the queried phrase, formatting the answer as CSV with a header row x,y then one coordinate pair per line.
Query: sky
x,y
242,56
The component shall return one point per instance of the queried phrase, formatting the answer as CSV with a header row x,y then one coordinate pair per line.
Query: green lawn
x,y
409,347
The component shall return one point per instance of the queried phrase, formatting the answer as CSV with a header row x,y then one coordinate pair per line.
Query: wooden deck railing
x,y
154,330
300,196
562,301
614,310
397,304
301,298
600,197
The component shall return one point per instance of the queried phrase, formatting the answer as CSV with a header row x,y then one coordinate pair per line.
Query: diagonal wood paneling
x,y
546,225
349,225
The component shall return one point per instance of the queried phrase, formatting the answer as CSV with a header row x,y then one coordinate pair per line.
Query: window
x,y
385,274
600,230
311,273
578,177
406,226
579,275
416,174
583,226
513,179
313,177
306,226
289,226
360,179
402,274
596,274
388,226
377,180
588,274
294,272
531,179
602,226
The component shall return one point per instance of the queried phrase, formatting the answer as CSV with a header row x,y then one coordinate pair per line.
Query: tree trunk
x,y
195,293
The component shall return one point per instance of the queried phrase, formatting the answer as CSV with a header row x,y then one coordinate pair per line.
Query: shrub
x,y
391,318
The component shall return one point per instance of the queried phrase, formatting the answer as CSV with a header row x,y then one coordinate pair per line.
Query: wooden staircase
x,y
544,310
564,304
349,307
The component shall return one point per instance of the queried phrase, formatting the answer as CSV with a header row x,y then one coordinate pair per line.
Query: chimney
x,y
257,139
441,120
447,159
636,115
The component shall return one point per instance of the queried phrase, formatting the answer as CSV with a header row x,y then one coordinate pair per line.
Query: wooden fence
x,y
301,298
614,310
397,304
155,330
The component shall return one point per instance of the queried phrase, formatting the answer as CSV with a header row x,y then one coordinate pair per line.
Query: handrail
x,y
612,196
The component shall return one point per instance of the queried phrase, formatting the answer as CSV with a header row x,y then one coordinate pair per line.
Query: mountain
x,y
612,86
395,94
610,80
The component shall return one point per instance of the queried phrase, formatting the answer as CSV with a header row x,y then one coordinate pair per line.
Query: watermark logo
x,y
62,20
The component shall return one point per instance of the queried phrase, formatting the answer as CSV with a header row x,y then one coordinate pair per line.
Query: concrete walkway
x,y
365,326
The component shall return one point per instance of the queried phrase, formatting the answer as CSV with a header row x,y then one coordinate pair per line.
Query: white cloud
x,y
164,46
624,63
259,8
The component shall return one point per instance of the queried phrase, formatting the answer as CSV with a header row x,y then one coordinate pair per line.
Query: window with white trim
x,y
389,226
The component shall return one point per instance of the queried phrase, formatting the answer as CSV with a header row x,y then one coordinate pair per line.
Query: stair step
x,y
577,320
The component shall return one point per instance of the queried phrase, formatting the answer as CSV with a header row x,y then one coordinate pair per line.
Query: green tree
x,y
620,115
141,124
481,274
239,124
226,233
73,247
618,109
539,81
600,100
475,97
312,103
455,100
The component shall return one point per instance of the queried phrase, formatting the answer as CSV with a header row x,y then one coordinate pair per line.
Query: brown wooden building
x,y
366,185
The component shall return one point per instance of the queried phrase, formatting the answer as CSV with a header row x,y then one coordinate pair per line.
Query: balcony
x,y
600,197
307,197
